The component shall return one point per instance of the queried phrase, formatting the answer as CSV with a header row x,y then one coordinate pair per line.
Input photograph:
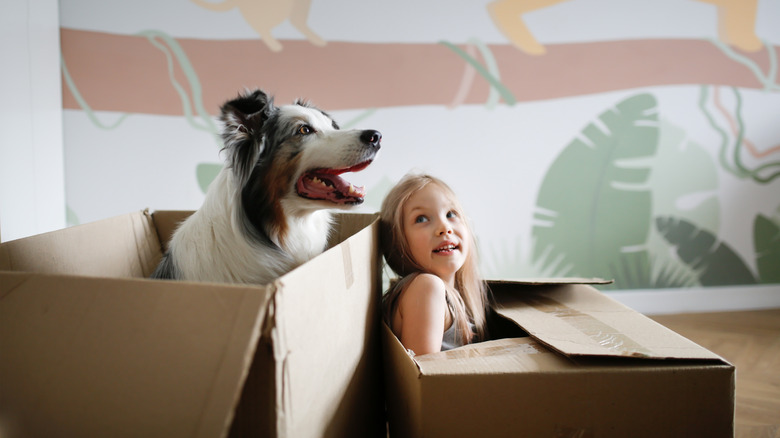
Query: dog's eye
x,y
305,130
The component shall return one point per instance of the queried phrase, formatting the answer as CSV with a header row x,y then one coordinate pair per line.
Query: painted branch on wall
x,y
133,74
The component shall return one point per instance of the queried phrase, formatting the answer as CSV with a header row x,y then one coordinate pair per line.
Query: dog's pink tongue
x,y
329,187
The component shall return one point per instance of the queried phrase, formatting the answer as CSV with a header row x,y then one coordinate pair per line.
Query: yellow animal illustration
x,y
736,22
507,15
264,15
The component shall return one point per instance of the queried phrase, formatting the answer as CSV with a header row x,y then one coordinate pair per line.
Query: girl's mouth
x,y
446,248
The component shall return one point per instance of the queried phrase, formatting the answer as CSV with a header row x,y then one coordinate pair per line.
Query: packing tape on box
x,y
480,350
346,253
603,334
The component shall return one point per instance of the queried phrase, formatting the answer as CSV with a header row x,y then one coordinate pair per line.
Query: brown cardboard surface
x,y
588,386
576,319
166,222
404,389
122,355
330,335
105,357
123,246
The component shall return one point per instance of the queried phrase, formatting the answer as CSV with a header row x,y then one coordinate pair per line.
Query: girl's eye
x,y
420,219
451,214
305,130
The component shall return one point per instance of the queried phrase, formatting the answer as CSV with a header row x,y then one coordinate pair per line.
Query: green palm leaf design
x,y
594,205
655,273
717,263
205,173
766,240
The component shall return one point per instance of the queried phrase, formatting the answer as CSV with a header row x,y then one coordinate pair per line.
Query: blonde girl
x,y
440,303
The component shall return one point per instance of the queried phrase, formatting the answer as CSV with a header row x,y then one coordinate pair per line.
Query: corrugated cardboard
x,y
591,367
90,347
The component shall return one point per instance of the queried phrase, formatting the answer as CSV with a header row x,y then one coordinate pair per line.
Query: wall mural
x,y
736,22
637,192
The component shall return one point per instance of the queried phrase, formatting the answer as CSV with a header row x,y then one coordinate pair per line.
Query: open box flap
x,y
121,357
347,224
122,246
578,320
166,222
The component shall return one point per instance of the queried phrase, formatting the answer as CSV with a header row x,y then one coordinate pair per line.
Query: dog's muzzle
x,y
327,185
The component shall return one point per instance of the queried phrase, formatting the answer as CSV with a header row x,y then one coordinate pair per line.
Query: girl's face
x,y
437,236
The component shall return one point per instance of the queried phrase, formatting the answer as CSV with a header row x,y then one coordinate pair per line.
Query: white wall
x,y
32,193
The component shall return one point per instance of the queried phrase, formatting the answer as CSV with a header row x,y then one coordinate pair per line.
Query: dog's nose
x,y
371,137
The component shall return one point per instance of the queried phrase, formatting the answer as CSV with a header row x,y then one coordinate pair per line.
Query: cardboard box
x,y
591,367
91,347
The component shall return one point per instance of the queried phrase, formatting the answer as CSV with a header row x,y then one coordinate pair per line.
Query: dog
x,y
269,209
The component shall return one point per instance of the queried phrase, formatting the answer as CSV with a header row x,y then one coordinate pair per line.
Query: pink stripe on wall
x,y
129,74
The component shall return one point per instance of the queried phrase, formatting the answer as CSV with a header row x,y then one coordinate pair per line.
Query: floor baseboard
x,y
695,300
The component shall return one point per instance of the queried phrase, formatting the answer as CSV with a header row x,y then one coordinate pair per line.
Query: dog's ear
x,y
242,133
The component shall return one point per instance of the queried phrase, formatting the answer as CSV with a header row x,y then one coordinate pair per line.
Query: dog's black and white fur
x,y
267,210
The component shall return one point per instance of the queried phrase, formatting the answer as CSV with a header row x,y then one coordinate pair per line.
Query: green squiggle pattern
x,y
755,173
737,168
508,97
172,49
703,96
768,80
492,66
83,103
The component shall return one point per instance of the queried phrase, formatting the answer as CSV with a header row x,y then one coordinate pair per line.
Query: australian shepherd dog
x,y
267,211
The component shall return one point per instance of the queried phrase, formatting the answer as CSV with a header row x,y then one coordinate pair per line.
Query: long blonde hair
x,y
470,304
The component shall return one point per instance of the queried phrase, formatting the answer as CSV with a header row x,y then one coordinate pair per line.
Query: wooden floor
x,y
751,342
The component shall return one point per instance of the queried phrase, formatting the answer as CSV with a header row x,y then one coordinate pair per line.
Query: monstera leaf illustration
x,y
594,205
717,263
766,240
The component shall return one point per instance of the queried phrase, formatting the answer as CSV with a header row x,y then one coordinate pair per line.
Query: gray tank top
x,y
451,338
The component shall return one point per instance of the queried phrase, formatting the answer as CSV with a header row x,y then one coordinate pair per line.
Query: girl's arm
x,y
422,308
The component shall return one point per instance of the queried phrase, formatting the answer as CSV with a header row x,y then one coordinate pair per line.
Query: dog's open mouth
x,y
327,185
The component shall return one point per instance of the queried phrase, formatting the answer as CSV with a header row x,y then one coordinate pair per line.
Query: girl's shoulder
x,y
413,286
422,286
419,279
425,280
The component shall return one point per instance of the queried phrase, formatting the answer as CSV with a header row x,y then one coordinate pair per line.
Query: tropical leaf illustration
x,y
508,260
717,263
594,206
684,178
205,173
668,274
766,240
656,273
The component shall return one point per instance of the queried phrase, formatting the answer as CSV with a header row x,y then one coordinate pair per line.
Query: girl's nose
x,y
444,228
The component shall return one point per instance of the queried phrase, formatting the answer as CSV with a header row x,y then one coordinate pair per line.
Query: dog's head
x,y
291,157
